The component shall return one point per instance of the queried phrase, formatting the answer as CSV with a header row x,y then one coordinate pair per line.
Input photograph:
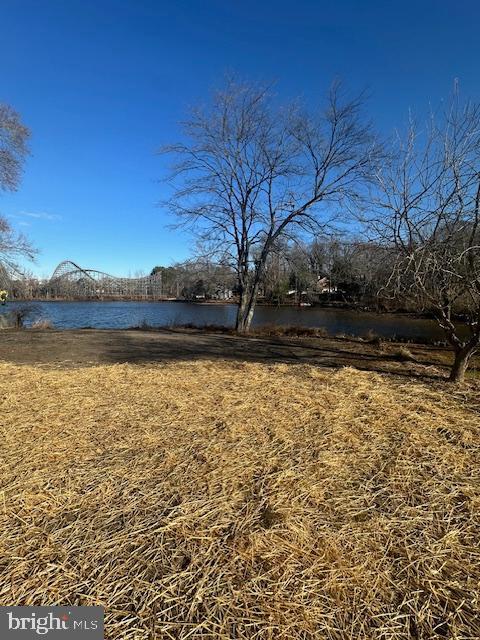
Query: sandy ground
x,y
92,347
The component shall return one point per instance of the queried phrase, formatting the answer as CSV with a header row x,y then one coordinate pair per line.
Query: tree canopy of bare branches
x,y
13,151
429,213
13,246
13,147
251,173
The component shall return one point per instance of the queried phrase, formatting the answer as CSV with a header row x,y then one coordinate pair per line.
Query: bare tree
x,y
13,147
13,151
13,246
251,173
430,215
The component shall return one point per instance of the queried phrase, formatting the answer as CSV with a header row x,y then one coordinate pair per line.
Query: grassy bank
x,y
248,501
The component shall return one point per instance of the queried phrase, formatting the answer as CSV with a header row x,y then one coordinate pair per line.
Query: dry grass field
x,y
240,501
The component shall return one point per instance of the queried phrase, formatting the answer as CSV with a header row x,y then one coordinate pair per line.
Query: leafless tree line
x,y
197,279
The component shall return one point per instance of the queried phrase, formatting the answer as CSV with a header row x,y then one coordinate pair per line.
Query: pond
x,y
121,315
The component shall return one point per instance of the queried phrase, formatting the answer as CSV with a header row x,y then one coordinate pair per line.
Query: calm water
x,y
120,315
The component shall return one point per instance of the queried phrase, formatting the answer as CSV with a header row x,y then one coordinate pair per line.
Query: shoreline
x,y
92,347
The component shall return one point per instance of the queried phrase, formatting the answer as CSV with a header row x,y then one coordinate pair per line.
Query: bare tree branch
x,y
427,208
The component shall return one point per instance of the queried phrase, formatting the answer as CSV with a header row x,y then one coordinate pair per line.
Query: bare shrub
x,y
20,313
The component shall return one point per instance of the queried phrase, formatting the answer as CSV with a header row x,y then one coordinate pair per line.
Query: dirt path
x,y
92,346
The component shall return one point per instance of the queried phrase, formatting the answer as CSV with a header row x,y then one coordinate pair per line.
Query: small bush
x,y
20,313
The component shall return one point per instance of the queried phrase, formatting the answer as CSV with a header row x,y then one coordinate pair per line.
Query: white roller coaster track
x,y
69,280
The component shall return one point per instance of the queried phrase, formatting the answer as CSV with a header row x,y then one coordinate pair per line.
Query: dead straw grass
x,y
241,501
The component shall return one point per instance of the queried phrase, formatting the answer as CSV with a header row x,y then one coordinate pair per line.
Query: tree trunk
x,y
463,350
246,308
460,363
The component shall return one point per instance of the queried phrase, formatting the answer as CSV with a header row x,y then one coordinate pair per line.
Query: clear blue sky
x,y
103,83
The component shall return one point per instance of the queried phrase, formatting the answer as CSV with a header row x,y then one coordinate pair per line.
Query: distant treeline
x,y
327,270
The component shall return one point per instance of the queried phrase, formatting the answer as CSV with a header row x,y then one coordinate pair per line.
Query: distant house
x,y
223,294
324,286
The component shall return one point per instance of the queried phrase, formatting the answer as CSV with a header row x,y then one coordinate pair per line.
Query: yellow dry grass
x,y
241,501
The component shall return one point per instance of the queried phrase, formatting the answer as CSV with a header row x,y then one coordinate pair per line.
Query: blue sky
x,y
103,83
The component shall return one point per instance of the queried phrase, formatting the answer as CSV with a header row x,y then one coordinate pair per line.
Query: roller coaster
x,y
69,281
